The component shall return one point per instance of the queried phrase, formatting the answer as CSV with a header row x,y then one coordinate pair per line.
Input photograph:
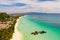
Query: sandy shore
x,y
17,35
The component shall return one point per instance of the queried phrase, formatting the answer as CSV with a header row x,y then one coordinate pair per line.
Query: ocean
x,y
42,22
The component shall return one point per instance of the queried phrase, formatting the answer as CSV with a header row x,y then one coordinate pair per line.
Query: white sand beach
x,y
17,35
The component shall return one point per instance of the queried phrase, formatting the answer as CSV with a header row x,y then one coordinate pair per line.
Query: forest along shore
x,y
17,35
7,25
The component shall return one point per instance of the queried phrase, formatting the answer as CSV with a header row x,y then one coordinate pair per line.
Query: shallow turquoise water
x,y
28,25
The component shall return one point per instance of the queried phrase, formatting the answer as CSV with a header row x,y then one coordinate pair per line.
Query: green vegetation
x,y
3,16
6,34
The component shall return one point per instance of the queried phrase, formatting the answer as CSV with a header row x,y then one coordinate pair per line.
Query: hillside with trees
x,y
7,32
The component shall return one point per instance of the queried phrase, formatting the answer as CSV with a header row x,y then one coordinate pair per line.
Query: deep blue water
x,y
52,19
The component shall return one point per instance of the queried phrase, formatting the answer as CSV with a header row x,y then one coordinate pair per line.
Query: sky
x,y
23,6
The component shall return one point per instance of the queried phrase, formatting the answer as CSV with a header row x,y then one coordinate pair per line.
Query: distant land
x,y
33,13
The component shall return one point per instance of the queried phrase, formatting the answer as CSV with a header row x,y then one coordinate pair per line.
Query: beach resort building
x,y
4,26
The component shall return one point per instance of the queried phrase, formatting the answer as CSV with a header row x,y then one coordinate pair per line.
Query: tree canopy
x,y
3,16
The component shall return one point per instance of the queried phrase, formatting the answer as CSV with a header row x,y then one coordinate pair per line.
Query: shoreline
x,y
17,35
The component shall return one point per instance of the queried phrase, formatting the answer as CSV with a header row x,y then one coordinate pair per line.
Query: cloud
x,y
14,4
19,6
46,0
6,2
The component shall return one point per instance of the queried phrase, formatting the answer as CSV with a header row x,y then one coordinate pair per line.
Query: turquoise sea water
x,y
28,25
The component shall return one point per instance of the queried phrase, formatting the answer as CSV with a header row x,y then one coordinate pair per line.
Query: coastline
x,y
17,35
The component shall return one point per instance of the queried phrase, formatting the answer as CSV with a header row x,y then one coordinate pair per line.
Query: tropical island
x,y
7,23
